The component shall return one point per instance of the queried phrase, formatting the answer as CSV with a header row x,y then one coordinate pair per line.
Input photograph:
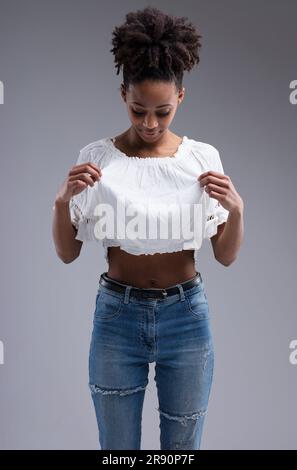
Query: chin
x,y
149,138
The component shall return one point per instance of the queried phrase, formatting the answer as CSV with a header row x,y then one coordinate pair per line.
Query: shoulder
x,y
94,151
206,153
95,145
203,148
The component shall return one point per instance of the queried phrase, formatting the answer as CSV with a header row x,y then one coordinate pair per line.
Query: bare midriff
x,y
159,270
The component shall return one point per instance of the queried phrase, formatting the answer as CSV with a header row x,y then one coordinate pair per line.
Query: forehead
x,y
152,94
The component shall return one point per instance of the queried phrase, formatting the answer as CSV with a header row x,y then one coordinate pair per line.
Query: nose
x,y
150,126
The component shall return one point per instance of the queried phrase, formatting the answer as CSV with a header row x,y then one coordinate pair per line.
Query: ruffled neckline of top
x,y
180,152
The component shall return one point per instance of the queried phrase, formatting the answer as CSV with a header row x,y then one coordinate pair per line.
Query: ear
x,y
181,95
123,92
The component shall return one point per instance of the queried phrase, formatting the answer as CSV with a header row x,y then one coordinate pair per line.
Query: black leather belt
x,y
139,292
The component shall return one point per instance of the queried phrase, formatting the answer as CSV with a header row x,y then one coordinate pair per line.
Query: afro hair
x,y
153,45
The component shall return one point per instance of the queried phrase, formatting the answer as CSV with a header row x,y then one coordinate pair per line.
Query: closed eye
x,y
140,113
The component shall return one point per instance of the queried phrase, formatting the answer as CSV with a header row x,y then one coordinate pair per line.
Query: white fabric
x,y
148,185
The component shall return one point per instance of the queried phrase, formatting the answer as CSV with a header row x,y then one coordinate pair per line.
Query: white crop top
x,y
156,192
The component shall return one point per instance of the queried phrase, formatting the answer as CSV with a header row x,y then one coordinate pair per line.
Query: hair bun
x,y
150,38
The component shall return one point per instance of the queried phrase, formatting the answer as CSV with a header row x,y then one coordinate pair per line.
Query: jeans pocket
x,y
197,304
108,306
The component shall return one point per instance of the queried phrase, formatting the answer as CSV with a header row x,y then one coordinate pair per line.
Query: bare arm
x,y
63,232
227,242
228,239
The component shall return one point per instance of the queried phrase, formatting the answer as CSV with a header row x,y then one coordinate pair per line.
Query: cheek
x,y
134,118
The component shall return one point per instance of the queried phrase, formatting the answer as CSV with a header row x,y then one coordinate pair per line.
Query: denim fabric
x,y
129,333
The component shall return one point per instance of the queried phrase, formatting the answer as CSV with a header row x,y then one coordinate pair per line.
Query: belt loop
x,y
127,294
181,291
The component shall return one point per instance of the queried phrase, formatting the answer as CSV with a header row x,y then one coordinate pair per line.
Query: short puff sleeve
x,y
216,214
78,202
81,206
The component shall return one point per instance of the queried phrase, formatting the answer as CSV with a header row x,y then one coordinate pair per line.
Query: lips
x,y
150,133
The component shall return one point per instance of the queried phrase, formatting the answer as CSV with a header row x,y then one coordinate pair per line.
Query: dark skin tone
x,y
158,270
156,106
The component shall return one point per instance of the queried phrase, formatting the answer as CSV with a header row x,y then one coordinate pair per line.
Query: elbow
x,y
226,262
66,258
70,254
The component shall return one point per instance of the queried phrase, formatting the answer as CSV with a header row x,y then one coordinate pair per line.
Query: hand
x,y
219,186
79,177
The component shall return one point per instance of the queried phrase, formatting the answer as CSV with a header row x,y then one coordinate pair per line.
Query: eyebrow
x,y
161,106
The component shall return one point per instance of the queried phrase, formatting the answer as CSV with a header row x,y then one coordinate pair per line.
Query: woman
x,y
151,304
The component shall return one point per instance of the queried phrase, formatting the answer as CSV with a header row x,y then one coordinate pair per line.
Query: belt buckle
x,y
164,293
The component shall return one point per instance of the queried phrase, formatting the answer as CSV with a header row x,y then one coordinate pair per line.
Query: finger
x,y
86,169
216,195
77,187
214,187
210,173
84,177
202,175
77,184
213,179
94,166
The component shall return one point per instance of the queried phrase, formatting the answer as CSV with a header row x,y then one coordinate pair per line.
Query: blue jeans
x,y
129,333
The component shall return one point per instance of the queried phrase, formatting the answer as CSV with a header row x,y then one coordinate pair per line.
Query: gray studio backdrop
x,y
61,92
